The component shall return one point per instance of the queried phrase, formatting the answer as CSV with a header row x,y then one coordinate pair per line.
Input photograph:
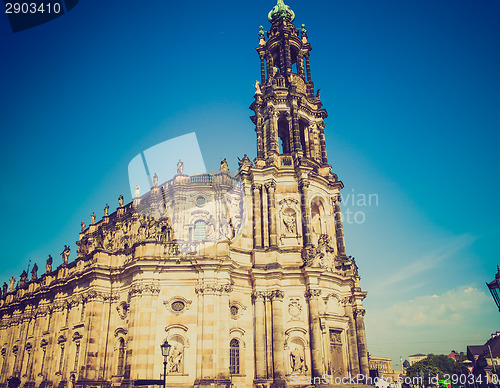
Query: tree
x,y
433,365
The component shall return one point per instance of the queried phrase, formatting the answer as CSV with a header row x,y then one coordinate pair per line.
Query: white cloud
x,y
435,323
436,310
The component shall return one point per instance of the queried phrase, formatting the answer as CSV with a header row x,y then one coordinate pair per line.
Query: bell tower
x,y
306,293
288,113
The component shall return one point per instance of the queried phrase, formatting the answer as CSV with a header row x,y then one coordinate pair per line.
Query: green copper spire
x,y
281,11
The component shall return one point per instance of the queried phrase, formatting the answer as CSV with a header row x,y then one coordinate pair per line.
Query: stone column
x,y
273,234
296,131
262,70
288,118
273,132
96,309
312,296
209,320
200,372
361,337
278,338
306,214
339,230
260,136
265,216
269,335
270,65
300,66
282,60
288,61
352,339
308,68
322,144
260,336
223,328
257,211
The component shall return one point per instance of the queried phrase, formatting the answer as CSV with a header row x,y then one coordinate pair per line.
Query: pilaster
x,y
306,211
278,338
257,211
352,338
258,300
273,234
361,337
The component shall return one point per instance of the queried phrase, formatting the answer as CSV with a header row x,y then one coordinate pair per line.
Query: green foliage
x,y
433,365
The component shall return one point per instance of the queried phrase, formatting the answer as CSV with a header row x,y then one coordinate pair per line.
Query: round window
x,y
178,306
200,201
234,310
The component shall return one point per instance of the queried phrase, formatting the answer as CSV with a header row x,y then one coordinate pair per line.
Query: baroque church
x,y
245,276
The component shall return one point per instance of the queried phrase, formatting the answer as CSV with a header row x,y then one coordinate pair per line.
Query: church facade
x,y
245,276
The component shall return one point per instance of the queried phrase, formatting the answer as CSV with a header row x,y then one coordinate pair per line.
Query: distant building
x,y
416,358
382,367
489,352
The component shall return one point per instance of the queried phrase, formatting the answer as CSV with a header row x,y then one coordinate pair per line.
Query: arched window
x,y
200,230
284,136
317,216
303,128
234,357
121,357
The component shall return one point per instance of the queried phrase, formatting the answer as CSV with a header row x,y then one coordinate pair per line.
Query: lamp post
x,y
494,287
165,350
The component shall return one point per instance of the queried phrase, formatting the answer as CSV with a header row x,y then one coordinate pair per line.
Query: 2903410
x,y
33,8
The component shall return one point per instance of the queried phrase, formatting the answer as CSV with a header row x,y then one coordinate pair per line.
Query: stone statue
x,y
297,361
34,271
175,360
5,288
12,283
65,254
137,191
106,210
223,165
180,167
82,224
23,279
93,218
289,222
120,200
257,88
155,180
48,266
318,94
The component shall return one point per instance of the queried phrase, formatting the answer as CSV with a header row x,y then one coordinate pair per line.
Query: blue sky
x,y
412,89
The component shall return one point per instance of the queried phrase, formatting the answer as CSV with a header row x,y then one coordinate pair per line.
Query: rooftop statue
x,y
65,254
48,266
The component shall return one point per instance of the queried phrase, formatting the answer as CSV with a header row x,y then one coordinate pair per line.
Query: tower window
x,y
284,136
200,230
121,356
302,129
234,357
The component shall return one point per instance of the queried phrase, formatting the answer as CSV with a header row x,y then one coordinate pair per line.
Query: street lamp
x,y
165,350
494,287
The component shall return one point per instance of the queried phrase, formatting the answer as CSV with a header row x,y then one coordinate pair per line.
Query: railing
x,y
286,161
280,81
204,178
